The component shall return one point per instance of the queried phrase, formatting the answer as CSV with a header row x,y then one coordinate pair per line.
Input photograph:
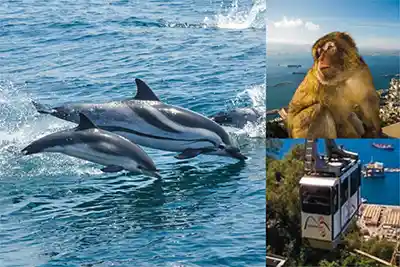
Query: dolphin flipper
x,y
42,108
112,168
192,153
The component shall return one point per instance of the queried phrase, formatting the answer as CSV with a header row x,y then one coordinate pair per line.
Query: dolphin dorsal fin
x,y
144,92
85,123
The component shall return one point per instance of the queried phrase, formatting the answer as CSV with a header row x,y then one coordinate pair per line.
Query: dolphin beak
x,y
234,152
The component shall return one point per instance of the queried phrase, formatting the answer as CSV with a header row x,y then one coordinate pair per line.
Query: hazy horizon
x,y
276,46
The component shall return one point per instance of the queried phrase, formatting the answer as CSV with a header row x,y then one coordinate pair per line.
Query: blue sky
x,y
372,23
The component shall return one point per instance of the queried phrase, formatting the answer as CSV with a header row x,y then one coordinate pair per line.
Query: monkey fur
x,y
337,98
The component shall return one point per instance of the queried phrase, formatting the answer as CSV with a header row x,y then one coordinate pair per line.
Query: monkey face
x,y
335,55
329,61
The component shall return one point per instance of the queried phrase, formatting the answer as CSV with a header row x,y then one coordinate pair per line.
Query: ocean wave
x,y
234,17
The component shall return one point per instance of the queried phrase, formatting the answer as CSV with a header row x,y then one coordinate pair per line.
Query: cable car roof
x,y
318,181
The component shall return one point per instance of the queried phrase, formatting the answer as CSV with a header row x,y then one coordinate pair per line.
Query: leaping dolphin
x,y
147,121
238,117
90,143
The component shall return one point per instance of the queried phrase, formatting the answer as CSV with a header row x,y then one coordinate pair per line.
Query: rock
x,y
390,110
276,129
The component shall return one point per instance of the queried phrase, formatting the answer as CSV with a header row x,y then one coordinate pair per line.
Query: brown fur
x,y
335,102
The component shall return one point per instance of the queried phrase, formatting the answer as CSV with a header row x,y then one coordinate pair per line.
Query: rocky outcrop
x,y
390,108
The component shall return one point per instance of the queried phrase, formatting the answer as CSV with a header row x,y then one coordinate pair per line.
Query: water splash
x,y
257,95
237,18
20,124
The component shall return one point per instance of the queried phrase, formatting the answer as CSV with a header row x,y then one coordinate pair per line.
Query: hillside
x,y
283,221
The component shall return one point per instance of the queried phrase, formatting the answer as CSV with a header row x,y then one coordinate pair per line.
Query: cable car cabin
x,y
330,198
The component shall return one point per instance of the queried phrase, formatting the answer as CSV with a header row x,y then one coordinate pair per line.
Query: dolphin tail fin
x,y
42,108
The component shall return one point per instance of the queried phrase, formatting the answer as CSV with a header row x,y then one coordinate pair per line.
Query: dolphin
x,y
238,117
88,142
147,121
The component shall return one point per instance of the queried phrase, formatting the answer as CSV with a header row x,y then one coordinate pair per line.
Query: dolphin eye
x,y
221,147
139,167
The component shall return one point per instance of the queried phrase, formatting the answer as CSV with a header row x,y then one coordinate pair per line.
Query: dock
x,y
392,130
382,221
392,169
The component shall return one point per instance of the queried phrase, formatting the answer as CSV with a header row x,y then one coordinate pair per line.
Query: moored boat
x,y
374,169
388,147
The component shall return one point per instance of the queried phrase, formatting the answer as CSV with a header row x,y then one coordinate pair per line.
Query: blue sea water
x,y
282,83
60,211
385,190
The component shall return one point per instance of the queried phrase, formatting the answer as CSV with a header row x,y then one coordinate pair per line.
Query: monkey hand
x,y
314,121
357,124
323,125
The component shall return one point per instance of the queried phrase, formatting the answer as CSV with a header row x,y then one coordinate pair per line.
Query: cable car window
x,y
354,182
344,191
315,199
359,176
335,199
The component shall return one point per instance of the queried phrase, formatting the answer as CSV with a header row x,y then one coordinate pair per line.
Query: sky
x,y
372,23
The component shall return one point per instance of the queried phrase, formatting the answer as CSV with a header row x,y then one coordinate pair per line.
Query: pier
x,y
392,169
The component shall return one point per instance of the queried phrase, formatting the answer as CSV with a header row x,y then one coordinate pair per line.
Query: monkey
x,y
337,97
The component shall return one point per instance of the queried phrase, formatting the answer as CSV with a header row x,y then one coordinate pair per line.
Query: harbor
x,y
382,221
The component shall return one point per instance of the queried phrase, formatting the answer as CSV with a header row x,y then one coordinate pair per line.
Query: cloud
x,y
292,30
285,23
311,26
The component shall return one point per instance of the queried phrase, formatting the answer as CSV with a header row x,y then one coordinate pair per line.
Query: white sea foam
x,y
257,95
237,18
20,124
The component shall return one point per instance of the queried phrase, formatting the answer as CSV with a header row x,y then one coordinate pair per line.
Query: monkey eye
x,y
329,45
318,54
